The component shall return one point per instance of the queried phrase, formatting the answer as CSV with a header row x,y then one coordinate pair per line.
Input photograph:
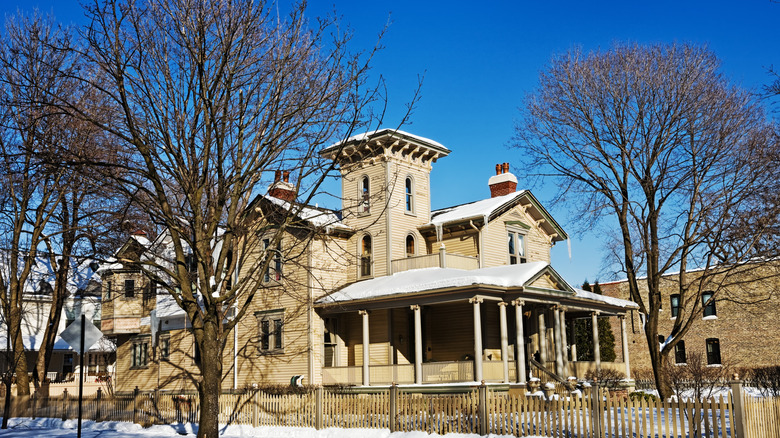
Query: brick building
x,y
735,329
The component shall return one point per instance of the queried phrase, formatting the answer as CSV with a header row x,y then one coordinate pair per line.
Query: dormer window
x,y
516,246
409,195
365,256
365,195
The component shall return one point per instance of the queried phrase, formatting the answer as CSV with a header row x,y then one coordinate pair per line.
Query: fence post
x,y
738,408
318,423
97,404
482,409
135,404
256,412
595,410
64,404
393,406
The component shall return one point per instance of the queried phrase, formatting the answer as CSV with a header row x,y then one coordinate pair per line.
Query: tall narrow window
x,y
108,290
708,304
274,271
713,351
365,256
129,288
674,301
516,244
140,352
410,246
271,328
679,353
409,195
365,195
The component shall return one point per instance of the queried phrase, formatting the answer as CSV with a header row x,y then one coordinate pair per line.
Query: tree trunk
x,y
19,357
662,381
52,327
210,385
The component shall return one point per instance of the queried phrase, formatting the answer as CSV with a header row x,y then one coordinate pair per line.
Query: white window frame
x,y
270,330
364,195
518,236
360,257
275,272
409,201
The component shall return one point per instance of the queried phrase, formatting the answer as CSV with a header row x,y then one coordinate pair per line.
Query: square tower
x,y
385,196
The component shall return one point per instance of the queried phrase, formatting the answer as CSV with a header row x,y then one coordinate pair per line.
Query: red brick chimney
x,y
281,188
503,182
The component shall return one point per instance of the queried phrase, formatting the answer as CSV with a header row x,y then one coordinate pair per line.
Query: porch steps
x,y
551,374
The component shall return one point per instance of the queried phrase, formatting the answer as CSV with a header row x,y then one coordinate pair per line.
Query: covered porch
x,y
466,333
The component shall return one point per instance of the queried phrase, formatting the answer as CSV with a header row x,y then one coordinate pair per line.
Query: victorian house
x,y
382,291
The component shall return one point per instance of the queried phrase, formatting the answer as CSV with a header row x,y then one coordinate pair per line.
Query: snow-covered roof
x,y
391,132
430,279
33,343
317,217
479,209
605,299
420,280
79,275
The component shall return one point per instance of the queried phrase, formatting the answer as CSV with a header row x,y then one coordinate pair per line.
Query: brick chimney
x,y
281,188
503,182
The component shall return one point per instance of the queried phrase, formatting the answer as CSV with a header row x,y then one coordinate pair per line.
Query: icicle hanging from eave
x,y
568,246
439,232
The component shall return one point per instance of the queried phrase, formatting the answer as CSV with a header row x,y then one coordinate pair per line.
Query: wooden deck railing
x,y
456,261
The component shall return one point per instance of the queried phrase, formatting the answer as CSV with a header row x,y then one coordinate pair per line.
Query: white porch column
x,y
564,343
417,345
557,341
504,339
477,339
574,341
366,347
520,341
596,347
542,329
625,345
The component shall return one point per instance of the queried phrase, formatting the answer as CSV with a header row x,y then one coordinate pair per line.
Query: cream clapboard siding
x,y
379,341
372,223
403,223
495,239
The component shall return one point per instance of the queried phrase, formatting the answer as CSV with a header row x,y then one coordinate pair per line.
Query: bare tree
x,y
210,95
655,140
27,131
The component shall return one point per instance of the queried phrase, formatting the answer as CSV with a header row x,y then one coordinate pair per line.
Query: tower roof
x,y
381,141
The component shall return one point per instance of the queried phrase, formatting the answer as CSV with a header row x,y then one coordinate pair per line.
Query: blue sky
x,y
479,61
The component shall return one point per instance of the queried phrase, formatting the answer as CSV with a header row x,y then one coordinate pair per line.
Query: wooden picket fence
x,y
481,410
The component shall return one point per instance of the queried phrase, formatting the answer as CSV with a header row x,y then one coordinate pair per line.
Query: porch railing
x,y
456,261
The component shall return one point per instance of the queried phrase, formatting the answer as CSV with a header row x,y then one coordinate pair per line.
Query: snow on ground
x,y
55,428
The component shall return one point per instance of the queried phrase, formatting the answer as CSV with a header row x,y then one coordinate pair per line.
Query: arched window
x,y
365,195
365,256
410,246
409,195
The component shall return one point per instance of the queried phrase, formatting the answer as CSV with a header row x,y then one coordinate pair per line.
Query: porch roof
x,y
453,284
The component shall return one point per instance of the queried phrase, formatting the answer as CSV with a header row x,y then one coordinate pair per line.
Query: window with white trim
x,y
274,271
364,195
409,195
366,253
270,326
516,246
